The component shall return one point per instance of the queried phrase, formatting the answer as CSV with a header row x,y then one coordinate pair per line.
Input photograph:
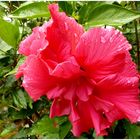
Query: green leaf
x,y
3,8
4,5
21,134
16,114
86,9
21,99
66,6
9,33
31,10
2,12
132,130
8,130
97,137
61,120
108,14
64,129
45,128
21,60
4,47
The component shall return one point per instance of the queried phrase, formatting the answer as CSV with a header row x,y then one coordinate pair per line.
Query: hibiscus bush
x,y
69,69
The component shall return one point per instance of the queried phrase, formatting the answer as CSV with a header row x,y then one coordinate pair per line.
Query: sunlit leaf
x,y
45,127
87,9
107,14
21,60
8,131
31,10
4,47
64,129
9,33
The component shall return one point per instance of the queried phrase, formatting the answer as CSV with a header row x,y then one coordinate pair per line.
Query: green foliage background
x,y
20,117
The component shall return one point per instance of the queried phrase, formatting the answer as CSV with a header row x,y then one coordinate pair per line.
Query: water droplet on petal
x,y
75,35
111,39
66,26
109,28
128,81
103,39
119,49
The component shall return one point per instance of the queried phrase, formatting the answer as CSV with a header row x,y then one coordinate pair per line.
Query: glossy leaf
x,y
4,5
132,130
108,14
66,6
21,99
9,33
45,128
64,129
31,10
4,47
86,9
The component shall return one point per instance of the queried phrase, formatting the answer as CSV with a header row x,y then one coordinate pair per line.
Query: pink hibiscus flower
x,y
89,75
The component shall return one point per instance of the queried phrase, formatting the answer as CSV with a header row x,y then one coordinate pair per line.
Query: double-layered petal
x,y
89,75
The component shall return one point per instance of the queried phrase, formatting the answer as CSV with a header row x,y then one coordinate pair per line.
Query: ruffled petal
x,y
114,115
74,116
100,104
59,107
100,124
84,123
123,93
69,28
129,107
63,35
88,76
34,43
107,109
101,51
36,79
98,44
66,69
56,92
108,67
84,89
70,91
